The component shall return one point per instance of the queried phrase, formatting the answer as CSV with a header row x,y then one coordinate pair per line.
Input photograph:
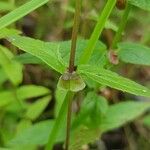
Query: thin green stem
x,y
61,117
97,31
69,113
74,35
122,26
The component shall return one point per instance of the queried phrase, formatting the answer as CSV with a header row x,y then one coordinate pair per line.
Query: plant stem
x,y
122,25
97,31
72,65
69,96
59,120
74,35
68,123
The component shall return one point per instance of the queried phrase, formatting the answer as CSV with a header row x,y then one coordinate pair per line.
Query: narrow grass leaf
x,y
5,32
20,12
88,51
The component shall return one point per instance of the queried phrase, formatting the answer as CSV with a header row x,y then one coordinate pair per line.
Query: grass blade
x,y
20,12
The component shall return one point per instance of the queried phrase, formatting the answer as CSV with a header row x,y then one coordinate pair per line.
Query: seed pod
x,y
121,4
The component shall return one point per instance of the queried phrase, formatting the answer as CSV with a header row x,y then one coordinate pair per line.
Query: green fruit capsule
x,y
71,81
121,4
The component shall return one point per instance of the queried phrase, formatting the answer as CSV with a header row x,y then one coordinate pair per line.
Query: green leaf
x,y
35,110
63,54
22,125
37,134
3,76
12,68
6,6
31,91
92,109
83,136
5,32
47,52
116,116
27,58
20,12
113,80
134,53
5,148
22,93
26,147
143,4
146,121
119,114
98,57
6,97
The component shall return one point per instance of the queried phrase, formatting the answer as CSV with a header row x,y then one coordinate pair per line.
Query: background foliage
x,y
112,112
